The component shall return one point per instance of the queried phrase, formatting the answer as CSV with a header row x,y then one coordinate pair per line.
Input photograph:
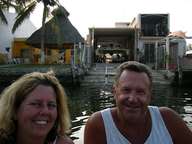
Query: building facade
x,y
7,37
145,39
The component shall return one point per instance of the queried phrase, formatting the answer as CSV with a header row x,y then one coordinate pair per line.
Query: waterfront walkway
x,y
98,74
102,74
10,72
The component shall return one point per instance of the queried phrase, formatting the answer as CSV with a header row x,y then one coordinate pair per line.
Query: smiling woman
x,y
34,109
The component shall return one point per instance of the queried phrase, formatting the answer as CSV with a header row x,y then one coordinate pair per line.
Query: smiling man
x,y
133,120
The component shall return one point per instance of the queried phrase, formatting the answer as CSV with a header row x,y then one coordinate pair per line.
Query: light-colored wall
x,y
6,35
181,45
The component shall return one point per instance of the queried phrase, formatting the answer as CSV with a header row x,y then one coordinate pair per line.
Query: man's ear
x,y
151,97
151,94
114,90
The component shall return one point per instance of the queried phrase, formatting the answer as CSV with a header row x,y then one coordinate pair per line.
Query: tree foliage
x,y
24,8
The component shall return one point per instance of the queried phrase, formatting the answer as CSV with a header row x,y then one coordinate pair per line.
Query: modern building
x,y
146,39
118,41
151,31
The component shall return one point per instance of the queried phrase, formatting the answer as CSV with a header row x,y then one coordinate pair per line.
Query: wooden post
x,y
156,54
167,53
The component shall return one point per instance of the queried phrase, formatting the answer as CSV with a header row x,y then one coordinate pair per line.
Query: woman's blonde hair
x,y
12,97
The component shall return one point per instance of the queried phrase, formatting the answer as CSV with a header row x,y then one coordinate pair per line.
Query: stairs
x,y
162,77
102,74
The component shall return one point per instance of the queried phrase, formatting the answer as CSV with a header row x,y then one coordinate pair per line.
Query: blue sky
x,y
104,13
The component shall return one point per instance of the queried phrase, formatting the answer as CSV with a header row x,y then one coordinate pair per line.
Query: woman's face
x,y
38,112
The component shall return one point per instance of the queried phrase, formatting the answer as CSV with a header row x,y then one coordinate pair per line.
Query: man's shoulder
x,y
168,112
93,124
64,140
95,115
177,127
96,119
94,129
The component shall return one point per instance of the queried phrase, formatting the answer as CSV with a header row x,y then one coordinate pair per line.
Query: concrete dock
x,y
9,73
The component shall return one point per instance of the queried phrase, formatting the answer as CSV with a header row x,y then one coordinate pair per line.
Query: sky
x,y
85,14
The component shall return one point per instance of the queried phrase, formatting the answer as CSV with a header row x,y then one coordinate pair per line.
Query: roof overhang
x,y
113,31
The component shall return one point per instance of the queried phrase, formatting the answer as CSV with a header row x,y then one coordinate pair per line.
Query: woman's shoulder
x,y
6,138
64,140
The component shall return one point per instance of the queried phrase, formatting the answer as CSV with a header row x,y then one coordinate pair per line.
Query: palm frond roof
x,y
58,31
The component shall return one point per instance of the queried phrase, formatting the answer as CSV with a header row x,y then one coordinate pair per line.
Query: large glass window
x,y
154,25
149,52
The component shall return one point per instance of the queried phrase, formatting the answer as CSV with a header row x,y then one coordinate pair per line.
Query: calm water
x,y
83,101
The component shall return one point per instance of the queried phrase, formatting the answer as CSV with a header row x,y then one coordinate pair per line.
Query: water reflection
x,y
85,100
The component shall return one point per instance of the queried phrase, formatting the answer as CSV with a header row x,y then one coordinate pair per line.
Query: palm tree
x,y
5,5
24,8
28,6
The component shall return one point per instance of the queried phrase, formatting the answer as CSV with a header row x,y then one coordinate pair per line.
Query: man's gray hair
x,y
133,66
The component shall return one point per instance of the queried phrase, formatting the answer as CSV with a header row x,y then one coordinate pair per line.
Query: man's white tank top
x,y
158,135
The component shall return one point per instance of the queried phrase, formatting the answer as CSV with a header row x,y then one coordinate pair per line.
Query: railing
x,y
179,70
106,74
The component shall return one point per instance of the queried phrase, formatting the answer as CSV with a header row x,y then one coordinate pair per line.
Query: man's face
x,y
132,94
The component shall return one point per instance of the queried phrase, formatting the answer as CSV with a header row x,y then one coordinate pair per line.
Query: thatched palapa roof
x,y
58,31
